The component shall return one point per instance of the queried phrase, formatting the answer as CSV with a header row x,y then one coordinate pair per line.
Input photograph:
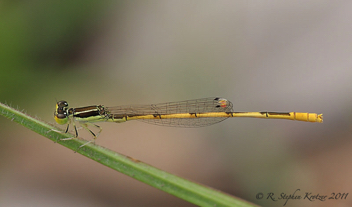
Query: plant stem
x,y
182,188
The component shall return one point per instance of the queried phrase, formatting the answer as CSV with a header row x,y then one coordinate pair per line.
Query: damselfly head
x,y
60,114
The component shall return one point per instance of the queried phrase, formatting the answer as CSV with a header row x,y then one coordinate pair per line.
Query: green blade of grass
x,y
182,188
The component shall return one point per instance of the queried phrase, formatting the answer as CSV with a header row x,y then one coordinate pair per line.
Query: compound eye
x,y
61,116
62,104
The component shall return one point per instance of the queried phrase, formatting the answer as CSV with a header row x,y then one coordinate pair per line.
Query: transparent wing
x,y
191,106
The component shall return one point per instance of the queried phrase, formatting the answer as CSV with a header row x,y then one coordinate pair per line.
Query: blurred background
x,y
262,56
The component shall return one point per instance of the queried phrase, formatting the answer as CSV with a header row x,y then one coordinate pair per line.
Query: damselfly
x,y
191,113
